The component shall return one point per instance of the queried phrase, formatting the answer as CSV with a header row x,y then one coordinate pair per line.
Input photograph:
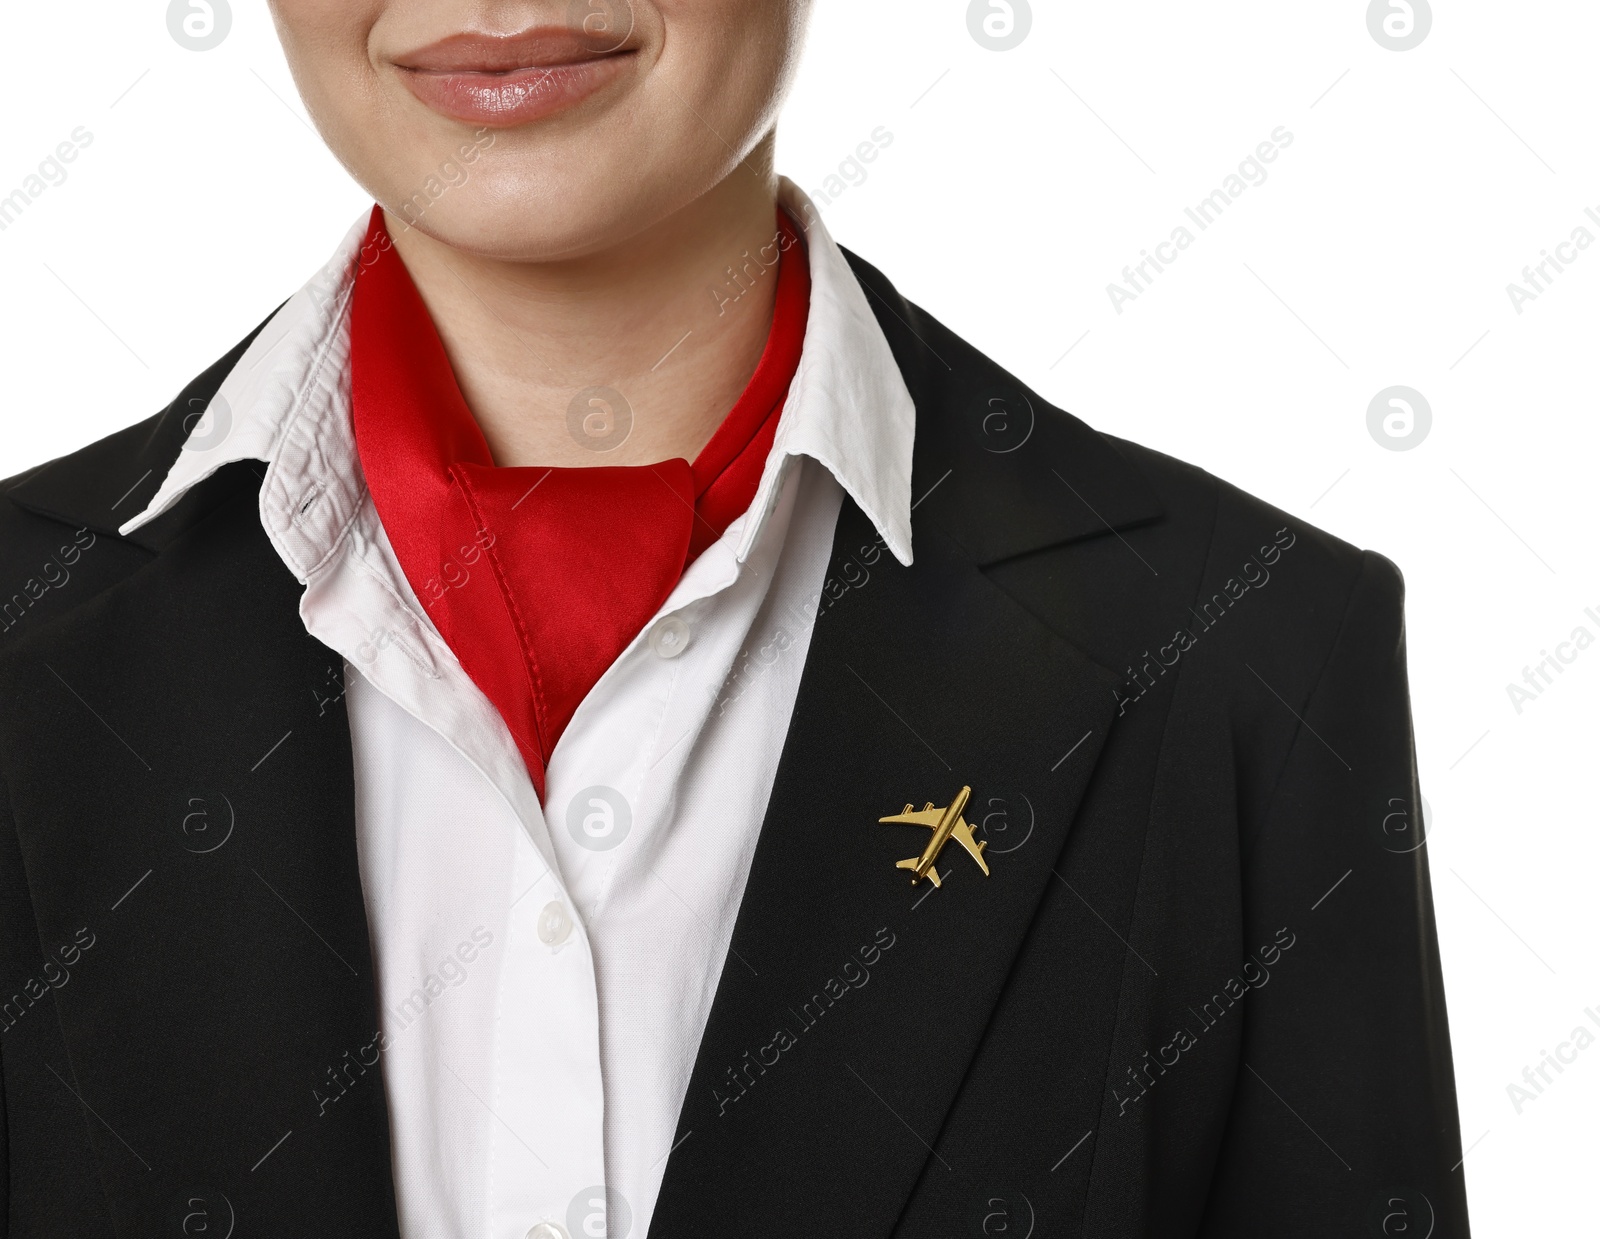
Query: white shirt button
x,y
670,637
547,1230
555,927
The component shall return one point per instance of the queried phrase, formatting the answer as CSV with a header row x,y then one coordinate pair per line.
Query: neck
x,y
655,319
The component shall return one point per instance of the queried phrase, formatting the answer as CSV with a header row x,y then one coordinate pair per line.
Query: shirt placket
x,y
544,1110
547,1148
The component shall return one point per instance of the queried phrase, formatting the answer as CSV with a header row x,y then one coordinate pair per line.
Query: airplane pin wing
x,y
962,834
926,816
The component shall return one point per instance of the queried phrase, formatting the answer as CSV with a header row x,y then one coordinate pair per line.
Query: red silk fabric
x,y
539,578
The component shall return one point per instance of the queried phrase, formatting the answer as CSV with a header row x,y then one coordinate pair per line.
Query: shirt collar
x,y
287,402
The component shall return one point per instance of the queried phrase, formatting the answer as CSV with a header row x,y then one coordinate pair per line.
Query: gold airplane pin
x,y
946,824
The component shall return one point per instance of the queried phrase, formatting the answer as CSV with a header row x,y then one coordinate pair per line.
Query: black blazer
x,y
1199,994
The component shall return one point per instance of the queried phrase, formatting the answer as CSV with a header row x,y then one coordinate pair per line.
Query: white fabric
x,y
542,999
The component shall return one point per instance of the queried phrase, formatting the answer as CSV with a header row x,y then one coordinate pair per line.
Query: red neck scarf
x,y
539,578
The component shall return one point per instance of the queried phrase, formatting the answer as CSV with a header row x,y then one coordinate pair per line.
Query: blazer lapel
x,y
180,778
851,1003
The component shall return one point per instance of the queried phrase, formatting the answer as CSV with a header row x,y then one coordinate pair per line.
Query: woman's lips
x,y
501,81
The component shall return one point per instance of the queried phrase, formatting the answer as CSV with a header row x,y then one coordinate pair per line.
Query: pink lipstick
x,y
501,81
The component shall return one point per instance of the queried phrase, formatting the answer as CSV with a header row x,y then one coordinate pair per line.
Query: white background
x,y
1017,187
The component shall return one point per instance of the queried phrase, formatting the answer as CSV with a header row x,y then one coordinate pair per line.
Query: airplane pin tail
x,y
912,863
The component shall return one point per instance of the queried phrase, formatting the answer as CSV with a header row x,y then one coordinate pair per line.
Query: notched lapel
x,y
1011,473
852,1003
180,773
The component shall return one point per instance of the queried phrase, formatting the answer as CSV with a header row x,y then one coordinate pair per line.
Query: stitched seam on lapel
x,y
1124,985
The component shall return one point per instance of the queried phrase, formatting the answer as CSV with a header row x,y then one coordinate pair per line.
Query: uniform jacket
x,y
1199,994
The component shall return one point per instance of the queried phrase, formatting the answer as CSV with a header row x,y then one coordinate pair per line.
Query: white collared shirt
x,y
545,974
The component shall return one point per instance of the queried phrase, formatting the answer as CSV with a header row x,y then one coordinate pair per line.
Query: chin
x,y
531,225
539,214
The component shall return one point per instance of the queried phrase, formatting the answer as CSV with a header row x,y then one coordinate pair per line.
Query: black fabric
x,y
1199,995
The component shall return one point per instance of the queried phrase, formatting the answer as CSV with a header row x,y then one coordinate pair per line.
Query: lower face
x,y
540,129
